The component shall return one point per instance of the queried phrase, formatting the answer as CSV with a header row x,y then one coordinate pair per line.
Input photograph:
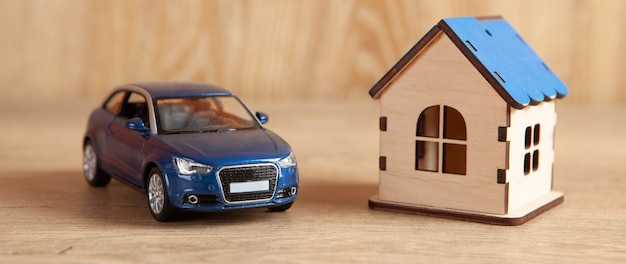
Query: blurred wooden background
x,y
281,49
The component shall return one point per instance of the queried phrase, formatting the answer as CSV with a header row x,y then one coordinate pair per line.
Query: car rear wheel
x,y
91,169
158,201
280,208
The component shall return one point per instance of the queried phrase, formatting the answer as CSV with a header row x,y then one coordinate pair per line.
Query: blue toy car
x,y
188,146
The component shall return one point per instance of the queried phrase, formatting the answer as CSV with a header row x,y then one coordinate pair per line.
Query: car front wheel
x,y
158,201
91,169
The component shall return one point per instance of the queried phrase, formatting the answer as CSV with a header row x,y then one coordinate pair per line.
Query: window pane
x,y
203,114
536,135
453,124
115,102
428,122
136,98
527,164
454,158
527,137
535,160
135,106
426,155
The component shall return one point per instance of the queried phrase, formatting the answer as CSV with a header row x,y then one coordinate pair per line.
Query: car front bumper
x,y
208,193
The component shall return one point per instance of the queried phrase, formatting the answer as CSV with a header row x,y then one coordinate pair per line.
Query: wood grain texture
x,y
437,73
441,75
281,49
524,188
517,217
50,215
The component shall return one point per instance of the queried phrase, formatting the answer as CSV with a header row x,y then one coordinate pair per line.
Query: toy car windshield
x,y
202,114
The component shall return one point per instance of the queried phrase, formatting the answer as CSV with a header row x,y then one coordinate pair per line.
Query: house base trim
x,y
514,218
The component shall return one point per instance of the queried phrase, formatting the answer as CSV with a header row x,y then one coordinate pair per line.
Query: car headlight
x,y
288,161
188,167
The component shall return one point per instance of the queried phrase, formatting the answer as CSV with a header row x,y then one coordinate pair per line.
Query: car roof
x,y
172,89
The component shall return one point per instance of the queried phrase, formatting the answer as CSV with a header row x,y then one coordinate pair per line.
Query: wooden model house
x,y
467,122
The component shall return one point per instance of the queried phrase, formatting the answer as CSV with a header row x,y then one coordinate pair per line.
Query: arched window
x,y
443,133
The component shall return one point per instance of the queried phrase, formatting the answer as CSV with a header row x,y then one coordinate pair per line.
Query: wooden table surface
x,y
49,214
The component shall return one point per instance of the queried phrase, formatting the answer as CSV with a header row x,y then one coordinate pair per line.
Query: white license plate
x,y
255,186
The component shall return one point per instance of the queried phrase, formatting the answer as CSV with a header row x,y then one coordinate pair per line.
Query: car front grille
x,y
245,174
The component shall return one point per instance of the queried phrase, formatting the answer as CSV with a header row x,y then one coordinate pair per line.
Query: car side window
x,y
114,103
135,106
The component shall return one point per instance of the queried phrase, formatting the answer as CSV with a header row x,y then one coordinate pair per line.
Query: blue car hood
x,y
228,147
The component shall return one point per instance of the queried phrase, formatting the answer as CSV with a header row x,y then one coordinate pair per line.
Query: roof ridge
x,y
510,65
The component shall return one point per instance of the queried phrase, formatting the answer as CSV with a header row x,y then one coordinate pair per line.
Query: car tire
x,y
91,167
158,200
280,208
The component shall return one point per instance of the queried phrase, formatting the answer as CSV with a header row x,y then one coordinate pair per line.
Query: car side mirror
x,y
263,117
136,124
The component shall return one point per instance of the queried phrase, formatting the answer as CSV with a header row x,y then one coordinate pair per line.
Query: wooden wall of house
x,y
282,49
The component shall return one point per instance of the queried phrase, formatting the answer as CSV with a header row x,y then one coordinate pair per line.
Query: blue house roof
x,y
515,71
